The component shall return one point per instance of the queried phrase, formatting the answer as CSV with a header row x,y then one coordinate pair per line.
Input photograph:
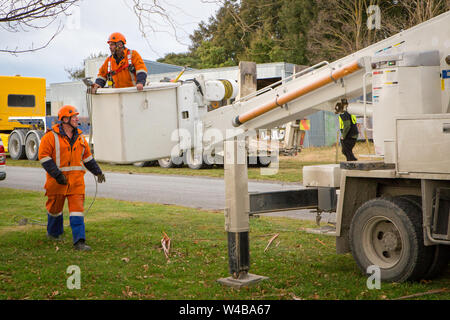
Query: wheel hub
x,y
382,242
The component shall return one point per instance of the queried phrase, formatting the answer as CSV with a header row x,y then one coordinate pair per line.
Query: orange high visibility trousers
x,y
55,205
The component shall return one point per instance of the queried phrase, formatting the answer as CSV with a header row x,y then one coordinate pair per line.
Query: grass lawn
x,y
127,261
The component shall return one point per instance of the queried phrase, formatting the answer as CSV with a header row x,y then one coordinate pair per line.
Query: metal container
x,y
423,143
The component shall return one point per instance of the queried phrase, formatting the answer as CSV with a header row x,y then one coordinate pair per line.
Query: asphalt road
x,y
196,192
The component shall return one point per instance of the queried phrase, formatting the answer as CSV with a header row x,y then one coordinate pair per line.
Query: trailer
x,y
392,214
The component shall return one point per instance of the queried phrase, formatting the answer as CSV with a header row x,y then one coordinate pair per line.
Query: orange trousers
x,y
55,206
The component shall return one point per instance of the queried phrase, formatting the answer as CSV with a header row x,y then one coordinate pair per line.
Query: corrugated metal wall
x,y
323,129
324,126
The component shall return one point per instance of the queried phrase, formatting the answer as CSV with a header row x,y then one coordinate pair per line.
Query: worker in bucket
x,y
349,129
64,153
123,68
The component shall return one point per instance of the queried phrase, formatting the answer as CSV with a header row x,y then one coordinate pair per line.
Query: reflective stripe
x,y
76,214
45,159
133,77
57,150
55,214
82,152
58,157
129,56
66,169
139,71
88,159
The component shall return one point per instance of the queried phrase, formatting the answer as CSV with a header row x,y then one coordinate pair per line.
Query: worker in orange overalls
x,y
63,152
123,68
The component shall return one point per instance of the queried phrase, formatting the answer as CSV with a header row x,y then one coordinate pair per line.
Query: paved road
x,y
196,192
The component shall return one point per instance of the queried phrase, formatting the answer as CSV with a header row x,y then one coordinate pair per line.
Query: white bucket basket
x,y
132,126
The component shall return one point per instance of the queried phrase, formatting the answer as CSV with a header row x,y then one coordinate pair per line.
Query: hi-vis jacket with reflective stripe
x,y
120,73
57,155
347,124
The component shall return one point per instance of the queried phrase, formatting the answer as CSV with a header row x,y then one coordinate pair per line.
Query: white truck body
x,y
382,208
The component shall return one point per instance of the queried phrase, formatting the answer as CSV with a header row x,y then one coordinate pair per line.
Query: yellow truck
x,y
23,119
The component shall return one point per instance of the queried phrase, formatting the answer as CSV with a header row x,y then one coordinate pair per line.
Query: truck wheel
x,y
387,232
441,253
32,142
166,163
16,145
264,161
144,164
210,159
440,261
194,160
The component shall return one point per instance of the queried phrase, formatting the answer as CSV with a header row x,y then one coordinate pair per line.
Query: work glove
x,y
61,179
101,178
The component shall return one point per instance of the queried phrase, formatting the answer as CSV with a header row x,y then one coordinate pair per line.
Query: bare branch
x,y
33,48
26,15
154,17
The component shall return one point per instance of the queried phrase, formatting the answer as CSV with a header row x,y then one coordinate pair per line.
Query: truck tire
x,y
387,232
441,253
144,164
439,263
32,142
264,161
193,160
16,145
169,163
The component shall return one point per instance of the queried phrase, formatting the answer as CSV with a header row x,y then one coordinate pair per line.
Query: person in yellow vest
x,y
123,68
349,129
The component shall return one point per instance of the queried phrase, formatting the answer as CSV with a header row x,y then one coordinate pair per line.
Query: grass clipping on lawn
x,y
128,260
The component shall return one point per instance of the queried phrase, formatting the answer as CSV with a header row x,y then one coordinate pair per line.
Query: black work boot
x,y
81,245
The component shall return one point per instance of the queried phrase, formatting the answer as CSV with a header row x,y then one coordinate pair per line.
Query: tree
x,y
79,73
341,25
260,31
25,15
181,59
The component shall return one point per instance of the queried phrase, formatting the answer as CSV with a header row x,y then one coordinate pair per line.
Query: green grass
x,y
127,261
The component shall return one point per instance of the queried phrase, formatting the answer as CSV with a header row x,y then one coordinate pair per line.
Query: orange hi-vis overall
x,y
69,160
121,74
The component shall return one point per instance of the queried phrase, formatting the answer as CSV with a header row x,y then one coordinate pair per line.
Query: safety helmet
x,y
67,111
116,37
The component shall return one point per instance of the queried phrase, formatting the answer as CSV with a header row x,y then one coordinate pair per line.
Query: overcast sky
x,y
87,30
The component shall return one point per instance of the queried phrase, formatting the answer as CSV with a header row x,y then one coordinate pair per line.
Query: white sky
x,y
87,30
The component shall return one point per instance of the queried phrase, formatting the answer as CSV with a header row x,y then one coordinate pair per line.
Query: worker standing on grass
x,y
123,68
63,152
349,129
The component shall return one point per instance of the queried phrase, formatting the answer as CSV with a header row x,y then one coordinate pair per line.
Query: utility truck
x,y
393,214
